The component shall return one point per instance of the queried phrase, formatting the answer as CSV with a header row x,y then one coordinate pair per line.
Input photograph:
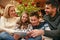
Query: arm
x,y
48,33
2,26
7,30
53,33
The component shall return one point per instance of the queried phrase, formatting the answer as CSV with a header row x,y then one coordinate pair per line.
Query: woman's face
x,y
24,17
12,11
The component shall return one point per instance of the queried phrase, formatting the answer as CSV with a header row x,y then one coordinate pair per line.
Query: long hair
x,y
6,10
27,22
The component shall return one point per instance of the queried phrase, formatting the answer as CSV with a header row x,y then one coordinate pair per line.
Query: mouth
x,y
33,24
47,13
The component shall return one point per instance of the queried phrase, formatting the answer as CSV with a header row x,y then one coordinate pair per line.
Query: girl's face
x,y
12,11
24,17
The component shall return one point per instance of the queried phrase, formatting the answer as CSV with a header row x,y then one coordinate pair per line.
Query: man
x,y
53,19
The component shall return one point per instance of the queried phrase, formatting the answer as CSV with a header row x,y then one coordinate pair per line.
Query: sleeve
x,y
18,19
3,28
52,33
2,22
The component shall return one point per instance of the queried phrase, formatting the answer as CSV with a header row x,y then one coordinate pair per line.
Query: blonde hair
x,y
6,11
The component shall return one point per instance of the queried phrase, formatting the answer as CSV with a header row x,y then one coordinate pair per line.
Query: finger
x,y
33,35
30,32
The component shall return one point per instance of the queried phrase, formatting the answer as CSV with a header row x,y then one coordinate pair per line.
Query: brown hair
x,y
27,22
23,26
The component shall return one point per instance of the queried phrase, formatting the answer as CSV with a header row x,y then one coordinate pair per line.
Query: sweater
x,y
9,24
54,24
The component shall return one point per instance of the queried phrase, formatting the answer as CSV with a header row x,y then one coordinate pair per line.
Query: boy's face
x,y
34,20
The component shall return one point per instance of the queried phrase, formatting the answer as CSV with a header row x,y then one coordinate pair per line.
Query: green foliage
x,y
26,6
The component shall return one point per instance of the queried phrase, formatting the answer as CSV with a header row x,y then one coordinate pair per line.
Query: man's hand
x,y
36,32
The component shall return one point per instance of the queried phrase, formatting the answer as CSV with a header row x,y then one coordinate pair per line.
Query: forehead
x,y
48,5
33,17
11,7
24,14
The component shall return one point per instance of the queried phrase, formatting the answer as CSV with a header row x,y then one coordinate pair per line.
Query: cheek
x,y
33,22
36,22
48,10
24,20
10,12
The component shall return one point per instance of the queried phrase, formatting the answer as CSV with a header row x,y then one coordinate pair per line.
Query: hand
x,y
16,36
36,32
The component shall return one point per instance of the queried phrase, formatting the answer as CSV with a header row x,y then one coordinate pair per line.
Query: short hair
x,y
42,11
34,14
54,3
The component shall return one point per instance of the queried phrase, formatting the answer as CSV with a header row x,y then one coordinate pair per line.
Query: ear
x,y
54,9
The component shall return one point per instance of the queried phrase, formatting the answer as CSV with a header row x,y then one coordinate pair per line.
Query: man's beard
x,y
48,13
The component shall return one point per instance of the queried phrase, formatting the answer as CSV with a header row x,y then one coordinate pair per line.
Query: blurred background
x,y
24,5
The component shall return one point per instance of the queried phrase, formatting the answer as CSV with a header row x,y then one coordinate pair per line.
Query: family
x,y
38,26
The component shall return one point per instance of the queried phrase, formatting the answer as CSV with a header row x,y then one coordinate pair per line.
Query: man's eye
x,y
47,8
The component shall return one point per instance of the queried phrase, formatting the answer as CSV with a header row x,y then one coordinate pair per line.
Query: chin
x,y
34,25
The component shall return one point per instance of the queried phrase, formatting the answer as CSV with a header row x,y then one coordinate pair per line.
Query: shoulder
x,y
17,17
46,17
58,18
3,18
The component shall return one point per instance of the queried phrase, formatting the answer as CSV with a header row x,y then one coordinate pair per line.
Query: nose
x,y
24,18
33,22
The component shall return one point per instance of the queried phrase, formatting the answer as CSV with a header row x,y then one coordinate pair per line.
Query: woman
x,y
8,22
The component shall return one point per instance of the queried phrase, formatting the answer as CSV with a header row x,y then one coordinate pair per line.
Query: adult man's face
x,y
34,20
48,9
